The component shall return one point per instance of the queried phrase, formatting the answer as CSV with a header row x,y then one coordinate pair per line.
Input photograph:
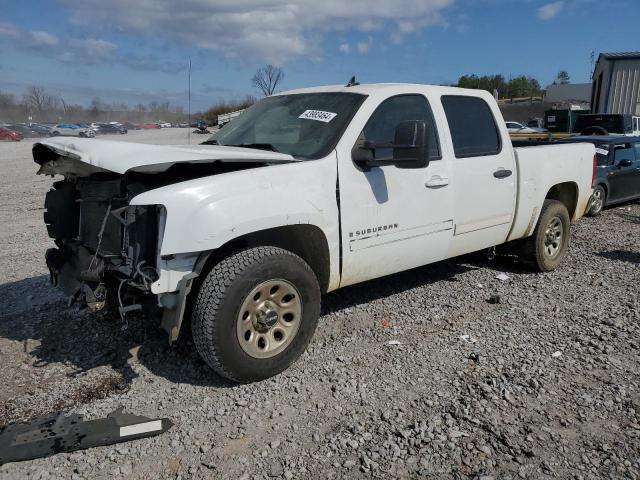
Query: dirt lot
x,y
545,384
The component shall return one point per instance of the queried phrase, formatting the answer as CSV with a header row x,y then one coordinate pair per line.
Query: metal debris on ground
x,y
394,342
557,354
468,338
56,433
502,276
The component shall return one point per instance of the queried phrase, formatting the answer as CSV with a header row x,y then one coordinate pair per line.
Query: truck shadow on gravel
x,y
621,256
447,270
54,334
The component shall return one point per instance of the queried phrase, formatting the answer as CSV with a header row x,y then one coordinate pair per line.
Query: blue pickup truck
x,y
618,169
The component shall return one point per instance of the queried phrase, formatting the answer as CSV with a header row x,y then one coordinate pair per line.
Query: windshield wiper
x,y
257,146
211,141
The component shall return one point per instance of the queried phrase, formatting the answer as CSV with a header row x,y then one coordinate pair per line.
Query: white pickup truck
x,y
306,192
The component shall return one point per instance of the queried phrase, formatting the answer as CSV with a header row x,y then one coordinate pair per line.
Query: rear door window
x,y
474,131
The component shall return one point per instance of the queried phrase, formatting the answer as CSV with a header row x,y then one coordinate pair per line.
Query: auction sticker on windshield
x,y
318,115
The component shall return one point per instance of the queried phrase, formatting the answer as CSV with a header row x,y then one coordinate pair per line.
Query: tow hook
x,y
491,253
95,299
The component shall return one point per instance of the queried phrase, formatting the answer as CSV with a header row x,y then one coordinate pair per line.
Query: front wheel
x,y
597,201
255,313
548,245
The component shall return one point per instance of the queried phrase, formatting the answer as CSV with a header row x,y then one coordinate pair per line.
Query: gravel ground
x,y
544,384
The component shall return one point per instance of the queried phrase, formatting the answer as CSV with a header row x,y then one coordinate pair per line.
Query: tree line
x,y
38,105
515,87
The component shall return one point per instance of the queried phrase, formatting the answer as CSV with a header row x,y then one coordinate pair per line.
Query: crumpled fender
x,y
205,213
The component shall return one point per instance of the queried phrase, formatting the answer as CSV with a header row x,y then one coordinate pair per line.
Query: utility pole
x,y
189,104
593,60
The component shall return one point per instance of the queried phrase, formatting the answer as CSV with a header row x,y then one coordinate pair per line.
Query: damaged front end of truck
x,y
103,245
107,250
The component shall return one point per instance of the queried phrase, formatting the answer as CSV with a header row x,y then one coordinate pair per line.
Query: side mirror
x,y
625,162
408,150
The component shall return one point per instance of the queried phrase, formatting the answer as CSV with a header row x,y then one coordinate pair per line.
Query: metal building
x,y
571,92
616,83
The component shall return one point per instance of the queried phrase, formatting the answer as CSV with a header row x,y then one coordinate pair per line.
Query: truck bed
x,y
542,166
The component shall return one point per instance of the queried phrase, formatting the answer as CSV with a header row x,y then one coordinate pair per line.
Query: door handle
x,y
437,181
502,173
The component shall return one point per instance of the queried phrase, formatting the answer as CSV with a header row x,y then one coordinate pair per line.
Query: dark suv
x,y
606,124
618,170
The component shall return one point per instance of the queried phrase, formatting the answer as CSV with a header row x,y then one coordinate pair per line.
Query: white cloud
x,y
39,39
344,48
270,30
550,10
68,50
8,30
364,46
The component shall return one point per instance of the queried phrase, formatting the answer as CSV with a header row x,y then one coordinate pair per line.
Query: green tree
x,y
562,78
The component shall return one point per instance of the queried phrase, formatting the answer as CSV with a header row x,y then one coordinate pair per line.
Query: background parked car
x,y
112,128
27,132
618,169
609,124
517,127
164,124
130,126
10,135
147,126
71,130
43,130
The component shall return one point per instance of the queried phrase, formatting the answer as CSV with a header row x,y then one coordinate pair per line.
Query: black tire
x,y
594,130
220,297
536,246
598,199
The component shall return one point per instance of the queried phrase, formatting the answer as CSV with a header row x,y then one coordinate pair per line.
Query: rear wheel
x,y
594,130
597,201
548,245
255,313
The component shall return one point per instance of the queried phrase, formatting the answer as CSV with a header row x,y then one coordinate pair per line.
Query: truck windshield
x,y
306,125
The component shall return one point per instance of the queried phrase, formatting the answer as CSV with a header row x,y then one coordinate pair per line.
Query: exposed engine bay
x,y
107,250
103,244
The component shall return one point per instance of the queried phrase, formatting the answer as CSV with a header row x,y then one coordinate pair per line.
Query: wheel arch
x,y
605,186
566,193
305,240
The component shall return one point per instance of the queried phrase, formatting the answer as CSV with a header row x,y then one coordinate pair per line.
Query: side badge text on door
x,y
372,230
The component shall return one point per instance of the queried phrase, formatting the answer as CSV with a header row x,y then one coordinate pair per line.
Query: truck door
x,y
392,218
483,169
624,174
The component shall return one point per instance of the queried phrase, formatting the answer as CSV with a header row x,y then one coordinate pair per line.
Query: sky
x,y
137,51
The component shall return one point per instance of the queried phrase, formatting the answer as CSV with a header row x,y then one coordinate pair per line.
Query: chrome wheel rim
x,y
269,318
597,201
553,237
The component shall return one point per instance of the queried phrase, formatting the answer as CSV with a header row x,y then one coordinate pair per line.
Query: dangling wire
x,y
100,234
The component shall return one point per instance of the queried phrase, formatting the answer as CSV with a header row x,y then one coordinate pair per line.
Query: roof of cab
x,y
371,88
